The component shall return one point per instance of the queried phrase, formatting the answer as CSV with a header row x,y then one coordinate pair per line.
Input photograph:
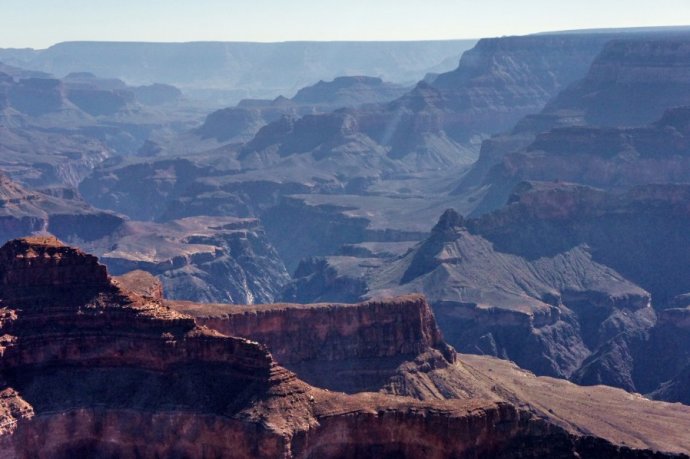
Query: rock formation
x,y
343,347
115,359
201,259
411,359
631,83
89,368
585,280
608,158
382,169
242,122
25,212
586,133
561,281
439,124
543,312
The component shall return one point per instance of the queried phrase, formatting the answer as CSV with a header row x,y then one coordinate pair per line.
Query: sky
x,y
41,23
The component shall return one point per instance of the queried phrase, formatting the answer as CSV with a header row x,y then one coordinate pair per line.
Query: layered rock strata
x,y
344,347
91,369
333,336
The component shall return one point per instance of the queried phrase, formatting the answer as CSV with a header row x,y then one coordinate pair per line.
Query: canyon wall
x,y
345,347
90,368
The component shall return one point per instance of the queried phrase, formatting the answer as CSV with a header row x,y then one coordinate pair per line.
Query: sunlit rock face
x,y
90,368
620,125
344,347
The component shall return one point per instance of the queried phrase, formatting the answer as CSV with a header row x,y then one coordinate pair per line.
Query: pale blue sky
x,y
40,23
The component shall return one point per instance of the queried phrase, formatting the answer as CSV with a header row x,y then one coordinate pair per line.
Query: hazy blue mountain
x,y
235,70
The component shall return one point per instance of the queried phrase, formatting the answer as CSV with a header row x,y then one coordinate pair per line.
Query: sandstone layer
x,y
420,365
344,347
91,369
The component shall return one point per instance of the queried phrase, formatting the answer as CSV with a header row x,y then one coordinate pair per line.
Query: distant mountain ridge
x,y
242,122
237,70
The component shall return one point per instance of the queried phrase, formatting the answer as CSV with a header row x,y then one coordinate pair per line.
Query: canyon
x,y
566,280
482,253
230,71
145,388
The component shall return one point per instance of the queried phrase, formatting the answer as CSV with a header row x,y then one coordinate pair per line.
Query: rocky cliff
x,y
544,312
24,211
503,79
581,134
628,231
603,412
609,158
113,357
346,343
326,334
342,347
566,280
383,169
441,123
202,259
89,368
632,82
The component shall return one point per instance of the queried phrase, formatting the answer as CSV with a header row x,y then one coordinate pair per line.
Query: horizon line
x,y
677,27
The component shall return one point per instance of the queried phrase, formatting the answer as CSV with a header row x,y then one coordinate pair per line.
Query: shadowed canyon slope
x,y
72,386
562,281
203,259
316,214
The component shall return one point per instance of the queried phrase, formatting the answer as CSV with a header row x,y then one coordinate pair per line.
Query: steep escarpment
x,y
510,77
631,82
586,132
545,313
351,335
639,234
89,368
343,347
609,158
629,232
565,280
143,362
441,123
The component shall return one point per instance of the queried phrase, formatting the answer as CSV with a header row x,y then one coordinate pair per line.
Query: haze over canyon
x,y
420,249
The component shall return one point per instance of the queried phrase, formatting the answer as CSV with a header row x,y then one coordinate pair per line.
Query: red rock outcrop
x,y
347,347
84,360
89,369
